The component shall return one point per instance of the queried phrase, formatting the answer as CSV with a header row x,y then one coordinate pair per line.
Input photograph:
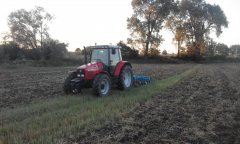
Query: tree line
x,y
214,50
191,22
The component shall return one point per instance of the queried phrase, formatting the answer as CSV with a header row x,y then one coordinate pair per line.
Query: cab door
x,y
114,59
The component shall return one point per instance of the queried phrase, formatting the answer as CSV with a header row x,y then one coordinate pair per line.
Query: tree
x,y
147,20
175,24
200,18
29,28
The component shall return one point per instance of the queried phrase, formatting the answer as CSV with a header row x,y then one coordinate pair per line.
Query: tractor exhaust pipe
x,y
85,55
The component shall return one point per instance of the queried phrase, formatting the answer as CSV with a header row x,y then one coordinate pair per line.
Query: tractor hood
x,y
92,67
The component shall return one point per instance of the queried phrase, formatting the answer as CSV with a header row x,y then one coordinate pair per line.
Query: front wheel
x,y
101,85
125,80
67,83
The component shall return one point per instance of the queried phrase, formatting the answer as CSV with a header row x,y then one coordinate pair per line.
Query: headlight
x,y
80,75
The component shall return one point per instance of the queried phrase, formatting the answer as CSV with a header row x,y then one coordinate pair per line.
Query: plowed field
x,y
202,108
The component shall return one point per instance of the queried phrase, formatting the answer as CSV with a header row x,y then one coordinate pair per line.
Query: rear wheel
x,y
125,78
67,83
101,85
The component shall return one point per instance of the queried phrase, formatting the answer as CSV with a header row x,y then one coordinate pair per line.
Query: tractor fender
x,y
119,67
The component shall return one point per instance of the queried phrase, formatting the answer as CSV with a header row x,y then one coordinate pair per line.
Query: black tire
x,y
67,83
101,85
124,84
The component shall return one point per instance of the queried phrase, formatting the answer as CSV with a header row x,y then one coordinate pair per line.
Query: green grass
x,y
48,120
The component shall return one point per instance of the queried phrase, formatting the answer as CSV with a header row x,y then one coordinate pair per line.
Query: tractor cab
x,y
110,56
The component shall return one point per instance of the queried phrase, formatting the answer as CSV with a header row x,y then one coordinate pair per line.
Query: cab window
x,y
100,55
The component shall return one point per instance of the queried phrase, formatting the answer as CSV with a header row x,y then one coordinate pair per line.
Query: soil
x,y
28,84
202,108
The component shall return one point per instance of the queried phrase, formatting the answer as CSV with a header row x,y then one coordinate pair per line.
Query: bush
x,y
53,49
32,54
235,51
1,55
221,50
10,51
154,52
127,52
164,52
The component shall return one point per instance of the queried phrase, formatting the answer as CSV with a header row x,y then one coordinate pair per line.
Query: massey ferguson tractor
x,y
105,70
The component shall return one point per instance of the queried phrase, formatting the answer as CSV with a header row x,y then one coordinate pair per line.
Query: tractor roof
x,y
104,47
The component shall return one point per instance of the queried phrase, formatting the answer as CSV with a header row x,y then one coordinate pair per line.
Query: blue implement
x,y
141,80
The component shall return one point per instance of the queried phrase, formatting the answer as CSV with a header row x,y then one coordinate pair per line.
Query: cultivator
x,y
141,80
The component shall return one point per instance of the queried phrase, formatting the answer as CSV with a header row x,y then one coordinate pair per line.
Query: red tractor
x,y
105,70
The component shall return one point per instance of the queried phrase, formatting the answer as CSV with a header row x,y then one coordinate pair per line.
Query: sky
x,y
86,22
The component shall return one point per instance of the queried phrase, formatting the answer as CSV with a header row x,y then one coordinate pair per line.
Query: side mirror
x,y
113,51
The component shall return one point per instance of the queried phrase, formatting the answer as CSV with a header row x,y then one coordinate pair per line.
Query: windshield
x,y
100,55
